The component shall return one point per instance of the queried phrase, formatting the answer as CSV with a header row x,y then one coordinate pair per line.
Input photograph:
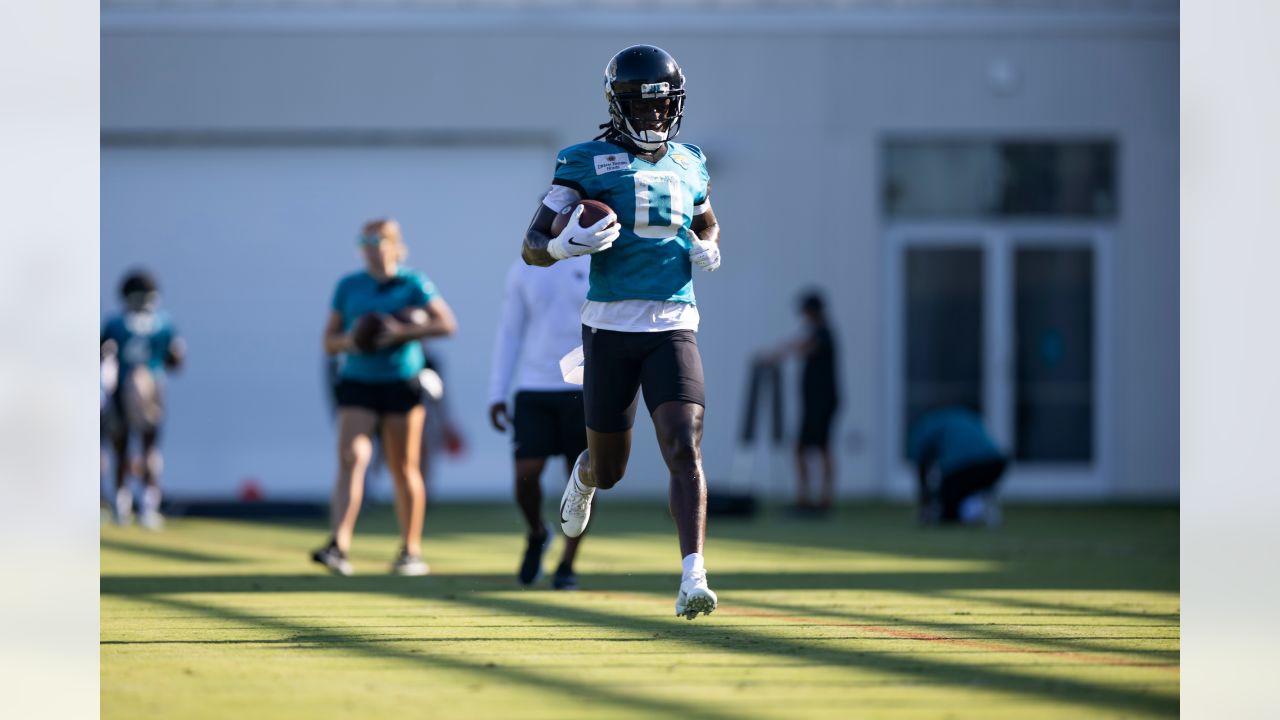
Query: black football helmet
x,y
139,290
138,281
645,90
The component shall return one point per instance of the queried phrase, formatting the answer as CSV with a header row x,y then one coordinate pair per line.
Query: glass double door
x,y
1007,321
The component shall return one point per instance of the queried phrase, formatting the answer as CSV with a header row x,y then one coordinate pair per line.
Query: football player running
x,y
640,320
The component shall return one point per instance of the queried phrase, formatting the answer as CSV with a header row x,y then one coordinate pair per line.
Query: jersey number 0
x,y
663,192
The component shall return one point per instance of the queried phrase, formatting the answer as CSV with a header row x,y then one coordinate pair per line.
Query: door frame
x,y
998,241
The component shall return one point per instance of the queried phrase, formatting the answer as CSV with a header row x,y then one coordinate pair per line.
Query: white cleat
x,y
695,597
575,505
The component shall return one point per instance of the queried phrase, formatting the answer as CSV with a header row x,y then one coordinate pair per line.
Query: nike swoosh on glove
x,y
576,240
705,255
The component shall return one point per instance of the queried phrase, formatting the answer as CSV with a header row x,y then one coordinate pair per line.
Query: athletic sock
x,y
124,499
151,499
693,563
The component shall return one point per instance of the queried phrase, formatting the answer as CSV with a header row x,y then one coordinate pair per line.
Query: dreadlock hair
x,y
610,133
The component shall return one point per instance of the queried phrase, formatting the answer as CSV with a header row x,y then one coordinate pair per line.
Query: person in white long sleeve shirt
x,y
541,323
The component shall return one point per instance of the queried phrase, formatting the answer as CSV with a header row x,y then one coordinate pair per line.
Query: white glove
x,y
576,240
705,255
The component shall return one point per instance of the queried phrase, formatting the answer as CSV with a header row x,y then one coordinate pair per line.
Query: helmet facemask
x,y
648,119
141,301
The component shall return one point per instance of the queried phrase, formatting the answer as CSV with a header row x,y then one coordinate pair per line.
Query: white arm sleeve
x,y
560,197
511,328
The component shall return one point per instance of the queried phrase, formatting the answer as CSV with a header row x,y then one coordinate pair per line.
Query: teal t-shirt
x,y
143,339
360,293
655,204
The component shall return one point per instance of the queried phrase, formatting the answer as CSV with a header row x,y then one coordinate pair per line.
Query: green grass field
x,y
1064,612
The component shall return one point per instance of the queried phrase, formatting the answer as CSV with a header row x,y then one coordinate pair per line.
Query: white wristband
x,y
555,249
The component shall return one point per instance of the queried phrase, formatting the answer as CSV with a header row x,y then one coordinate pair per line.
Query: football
x,y
365,332
592,212
369,326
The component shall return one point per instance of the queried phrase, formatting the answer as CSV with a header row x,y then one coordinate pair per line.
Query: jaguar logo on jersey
x,y
681,160
611,163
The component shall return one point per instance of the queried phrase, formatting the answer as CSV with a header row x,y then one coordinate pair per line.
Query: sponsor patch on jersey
x,y
611,163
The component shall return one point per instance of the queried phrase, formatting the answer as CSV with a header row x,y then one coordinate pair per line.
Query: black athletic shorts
x,y
618,364
115,421
385,398
549,423
815,425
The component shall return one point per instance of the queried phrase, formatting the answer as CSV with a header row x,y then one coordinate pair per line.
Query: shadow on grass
x,y
1000,633
476,592
1064,607
1054,531
583,693
1113,556
1012,578
160,552
707,636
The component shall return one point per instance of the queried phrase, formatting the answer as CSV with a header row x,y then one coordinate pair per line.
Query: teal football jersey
x,y
655,203
360,293
142,339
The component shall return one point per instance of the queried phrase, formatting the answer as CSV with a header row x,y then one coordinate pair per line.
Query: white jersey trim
x,y
640,315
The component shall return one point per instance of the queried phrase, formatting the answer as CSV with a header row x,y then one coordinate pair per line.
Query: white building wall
x,y
791,116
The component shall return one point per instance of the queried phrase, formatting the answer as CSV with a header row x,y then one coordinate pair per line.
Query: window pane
x,y
1053,396
999,179
943,331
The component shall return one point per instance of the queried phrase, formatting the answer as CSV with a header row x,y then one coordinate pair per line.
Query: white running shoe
x,y
334,559
151,520
150,517
122,507
575,505
409,565
695,597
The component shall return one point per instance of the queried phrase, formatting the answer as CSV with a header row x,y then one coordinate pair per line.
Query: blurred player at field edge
x,y
640,320
142,344
819,401
957,465
378,391
541,323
